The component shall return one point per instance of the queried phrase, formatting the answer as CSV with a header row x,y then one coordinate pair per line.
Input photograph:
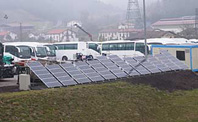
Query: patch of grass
x,y
109,102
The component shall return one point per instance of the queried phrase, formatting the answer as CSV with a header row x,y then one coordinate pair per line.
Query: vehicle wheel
x,y
64,58
91,57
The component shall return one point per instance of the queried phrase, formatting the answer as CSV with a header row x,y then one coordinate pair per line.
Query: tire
x,y
91,57
64,58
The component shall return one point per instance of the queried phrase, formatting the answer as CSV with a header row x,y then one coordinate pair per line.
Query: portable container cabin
x,y
188,54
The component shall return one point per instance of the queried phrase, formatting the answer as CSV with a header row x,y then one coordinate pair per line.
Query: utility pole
x,y
145,34
21,34
196,22
133,15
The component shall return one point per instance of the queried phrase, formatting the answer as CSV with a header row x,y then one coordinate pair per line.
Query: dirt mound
x,y
171,81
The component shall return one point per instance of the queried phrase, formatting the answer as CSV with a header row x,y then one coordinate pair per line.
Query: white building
x,y
116,34
62,35
7,36
71,24
176,25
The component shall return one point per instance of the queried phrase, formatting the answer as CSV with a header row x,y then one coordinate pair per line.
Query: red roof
x,y
120,30
4,33
176,21
57,31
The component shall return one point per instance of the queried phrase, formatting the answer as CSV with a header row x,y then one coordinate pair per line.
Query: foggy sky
x,y
123,3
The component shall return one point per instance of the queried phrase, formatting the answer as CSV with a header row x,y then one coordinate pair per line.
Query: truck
x,y
6,68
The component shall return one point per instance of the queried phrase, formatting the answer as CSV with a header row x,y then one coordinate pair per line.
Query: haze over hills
x,y
54,10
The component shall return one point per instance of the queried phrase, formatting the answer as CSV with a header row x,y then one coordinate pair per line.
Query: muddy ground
x,y
171,81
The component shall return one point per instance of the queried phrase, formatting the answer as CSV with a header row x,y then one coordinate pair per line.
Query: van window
x,y
181,55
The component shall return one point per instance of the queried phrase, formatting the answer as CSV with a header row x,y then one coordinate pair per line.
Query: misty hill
x,y
54,10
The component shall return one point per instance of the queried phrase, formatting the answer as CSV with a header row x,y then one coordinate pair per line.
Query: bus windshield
x,y
94,46
41,52
51,50
24,52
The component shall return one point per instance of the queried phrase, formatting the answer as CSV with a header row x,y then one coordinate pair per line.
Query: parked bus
x,y
70,50
37,50
123,48
51,51
164,41
18,51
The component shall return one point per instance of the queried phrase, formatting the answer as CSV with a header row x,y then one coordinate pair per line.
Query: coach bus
x,y
18,51
123,48
69,50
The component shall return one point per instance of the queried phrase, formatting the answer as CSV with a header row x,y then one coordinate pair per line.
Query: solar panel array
x,y
77,75
61,75
44,75
158,64
149,66
89,72
101,69
167,62
174,60
123,65
137,66
112,67
104,68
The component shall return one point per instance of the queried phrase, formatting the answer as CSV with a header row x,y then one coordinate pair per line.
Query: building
x,y
62,35
116,34
153,34
175,24
6,36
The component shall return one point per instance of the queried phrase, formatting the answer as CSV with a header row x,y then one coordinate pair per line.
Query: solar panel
x,y
137,66
89,72
101,69
167,62
77,75
112,67
44,75
123,65
174,59
61,75
149,66
158,64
